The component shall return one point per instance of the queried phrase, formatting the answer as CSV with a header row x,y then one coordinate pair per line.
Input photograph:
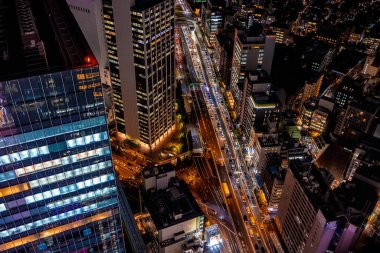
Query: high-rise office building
x,y
312,88
307,211
140,41
57,183
118,33
153,50
319,120
253,50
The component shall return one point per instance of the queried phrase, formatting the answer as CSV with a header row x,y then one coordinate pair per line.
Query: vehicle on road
x,y
252,220
226,190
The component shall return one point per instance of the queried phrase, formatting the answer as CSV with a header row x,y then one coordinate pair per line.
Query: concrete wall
x,y
88,14
122,18
186,226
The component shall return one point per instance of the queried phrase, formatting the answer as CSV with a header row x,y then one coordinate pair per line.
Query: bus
x,y
226,190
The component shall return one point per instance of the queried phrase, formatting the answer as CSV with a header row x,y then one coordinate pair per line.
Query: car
x,y
214,212
251,233
245,218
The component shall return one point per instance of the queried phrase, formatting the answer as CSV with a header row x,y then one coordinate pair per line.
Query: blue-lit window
x,y
52,131
56,218
70,188
69,174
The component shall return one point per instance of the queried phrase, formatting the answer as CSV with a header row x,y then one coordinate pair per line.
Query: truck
x,y
226,190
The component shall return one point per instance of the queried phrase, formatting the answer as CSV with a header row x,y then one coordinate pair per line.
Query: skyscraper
x,y
153,50
57,182
140,40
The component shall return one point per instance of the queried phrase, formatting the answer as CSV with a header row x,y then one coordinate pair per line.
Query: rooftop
x,y
315,187
268,140
145,4
330,32
346,60
277,24
367,104
258,76
252,35
172,206
262,100
359,197
40,36
157,170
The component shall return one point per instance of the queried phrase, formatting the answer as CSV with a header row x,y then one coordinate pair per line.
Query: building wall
x,y
89,15
119,35
276,193
295,214
302,227
57,182
347,238
153,45
255,54
320,234
186,226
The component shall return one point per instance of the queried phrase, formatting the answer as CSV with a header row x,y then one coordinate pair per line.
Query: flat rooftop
x,y
172,206
157,170
316,189
269,141
258,76
145,4
367,104
346,60
253,35
40,36
262,99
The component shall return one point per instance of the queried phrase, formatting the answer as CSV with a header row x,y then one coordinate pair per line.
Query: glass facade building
x,y
57,183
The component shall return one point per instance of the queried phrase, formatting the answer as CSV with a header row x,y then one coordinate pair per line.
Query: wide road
x,y
210,138
226,146
209,170
217,133
204,184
